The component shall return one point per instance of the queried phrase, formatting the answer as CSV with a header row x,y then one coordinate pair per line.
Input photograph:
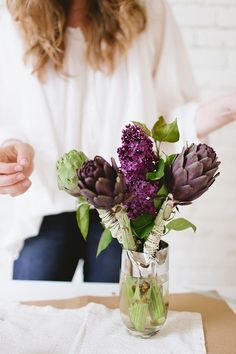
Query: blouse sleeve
x,y
175,88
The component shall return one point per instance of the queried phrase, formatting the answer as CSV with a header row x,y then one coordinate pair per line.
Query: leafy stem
x,y
157,148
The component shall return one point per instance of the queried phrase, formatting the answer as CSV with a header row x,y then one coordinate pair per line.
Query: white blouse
x,y
85,110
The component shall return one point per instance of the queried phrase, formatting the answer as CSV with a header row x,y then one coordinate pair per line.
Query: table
x,y
218,320
18,290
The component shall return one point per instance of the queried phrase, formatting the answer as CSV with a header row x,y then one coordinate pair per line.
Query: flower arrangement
x,y
137,202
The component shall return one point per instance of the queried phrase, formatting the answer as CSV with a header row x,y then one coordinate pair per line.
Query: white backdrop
x,y
209,256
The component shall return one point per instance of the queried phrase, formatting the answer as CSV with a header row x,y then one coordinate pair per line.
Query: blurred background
x,y
207,258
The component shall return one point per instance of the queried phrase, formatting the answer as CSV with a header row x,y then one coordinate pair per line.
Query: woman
x,y
90,67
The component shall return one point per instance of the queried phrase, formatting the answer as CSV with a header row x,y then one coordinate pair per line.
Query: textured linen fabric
x,y
86,110
92,329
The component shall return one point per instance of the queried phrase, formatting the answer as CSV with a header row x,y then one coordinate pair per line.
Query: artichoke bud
x,y
67,167
102,184
192,172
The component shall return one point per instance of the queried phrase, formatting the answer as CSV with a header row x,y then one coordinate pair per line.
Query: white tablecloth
x,y
92,329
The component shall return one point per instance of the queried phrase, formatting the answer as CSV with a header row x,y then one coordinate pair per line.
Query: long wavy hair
x,y
111,27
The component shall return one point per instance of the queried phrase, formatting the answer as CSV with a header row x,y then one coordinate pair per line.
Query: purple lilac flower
x,y
137,157
136,154
141,198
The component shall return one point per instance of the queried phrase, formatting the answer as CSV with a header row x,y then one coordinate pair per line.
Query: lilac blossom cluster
x,y
141,198
137,157
136,154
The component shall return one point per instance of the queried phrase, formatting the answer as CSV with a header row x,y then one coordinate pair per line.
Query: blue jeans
x,y
55,252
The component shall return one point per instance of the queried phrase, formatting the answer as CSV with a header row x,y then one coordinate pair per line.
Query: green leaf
x,y
142,225
180,224
169,161
161,196
143,127
163,192
81,200
104,242
82,217
163,131
159,173
143,233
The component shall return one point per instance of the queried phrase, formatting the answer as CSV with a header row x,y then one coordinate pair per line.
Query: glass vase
x,y
144,291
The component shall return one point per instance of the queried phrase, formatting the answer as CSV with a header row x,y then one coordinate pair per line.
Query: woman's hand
x,y
16,166
215,114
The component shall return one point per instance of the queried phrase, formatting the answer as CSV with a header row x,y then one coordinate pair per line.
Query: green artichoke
x,y
192,172
67,166
102,184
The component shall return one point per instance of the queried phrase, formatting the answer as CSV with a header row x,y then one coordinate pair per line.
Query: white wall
x,y
209,29
209,257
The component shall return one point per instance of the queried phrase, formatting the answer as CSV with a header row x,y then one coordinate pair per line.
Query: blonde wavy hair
x,y
111,28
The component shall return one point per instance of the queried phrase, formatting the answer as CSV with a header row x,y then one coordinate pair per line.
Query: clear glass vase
x,y
144,291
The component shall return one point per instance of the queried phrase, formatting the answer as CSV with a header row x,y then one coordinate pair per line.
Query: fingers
x,y
16,165
16,189
8,180
25,154
9,168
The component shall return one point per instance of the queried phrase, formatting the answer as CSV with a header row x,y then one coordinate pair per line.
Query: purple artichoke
x,y
101,184
192,172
